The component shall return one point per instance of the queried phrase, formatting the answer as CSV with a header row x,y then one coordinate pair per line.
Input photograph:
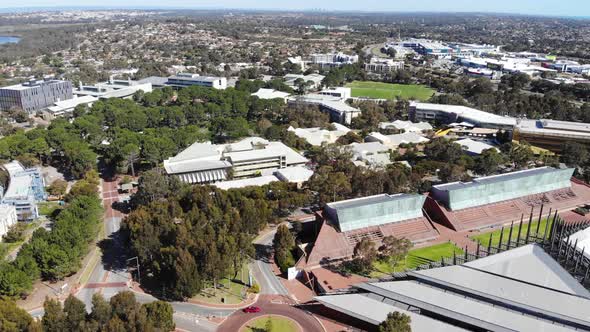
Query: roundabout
x,y
275,322
275,306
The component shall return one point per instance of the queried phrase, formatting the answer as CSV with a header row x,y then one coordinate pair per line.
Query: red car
x,y
251,309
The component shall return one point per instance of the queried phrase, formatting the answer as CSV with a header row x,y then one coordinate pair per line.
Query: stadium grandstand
x,y
500,199
346,223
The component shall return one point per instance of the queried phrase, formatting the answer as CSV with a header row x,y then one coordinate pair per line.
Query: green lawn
x,y
419,257
231,292
47,208
379,90
484,238
279,324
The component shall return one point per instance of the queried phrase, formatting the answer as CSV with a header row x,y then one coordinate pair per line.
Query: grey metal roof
x,y
455,306
514,292
374,312
531,264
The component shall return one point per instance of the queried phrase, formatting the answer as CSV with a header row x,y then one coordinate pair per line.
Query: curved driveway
x,y
273,305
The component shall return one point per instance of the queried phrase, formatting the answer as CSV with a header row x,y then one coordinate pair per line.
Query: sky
x,y
528,7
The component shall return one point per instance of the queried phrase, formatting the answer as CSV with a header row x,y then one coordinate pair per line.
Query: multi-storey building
x,y
332,60
34,96
7,218
183,80
381,66
25,189
210,163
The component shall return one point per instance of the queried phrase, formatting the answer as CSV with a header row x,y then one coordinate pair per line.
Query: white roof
x,y
468,307
317,136
531,264
20,186
374,311
475,147
294,174
205,156
63,105
270,94
13,168
407,138
242,183
467,113
406,125
582,241
397,139
362,149
555,128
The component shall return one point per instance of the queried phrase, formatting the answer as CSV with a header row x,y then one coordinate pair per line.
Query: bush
x,y
16,233
255,289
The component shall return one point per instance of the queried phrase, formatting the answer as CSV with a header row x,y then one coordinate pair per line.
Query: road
x,y
262,267
110,275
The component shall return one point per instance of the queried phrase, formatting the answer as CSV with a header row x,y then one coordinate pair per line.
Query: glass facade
x,y
375,210
492,189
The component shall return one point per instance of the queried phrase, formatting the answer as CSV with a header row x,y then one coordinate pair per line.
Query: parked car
x,y
251,309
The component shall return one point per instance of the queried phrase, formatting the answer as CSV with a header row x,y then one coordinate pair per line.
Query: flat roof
x,y
372,311
462,308
496,178
364,201
242,183
467,112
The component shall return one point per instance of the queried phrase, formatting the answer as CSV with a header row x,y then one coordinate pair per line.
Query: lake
x,y
9,40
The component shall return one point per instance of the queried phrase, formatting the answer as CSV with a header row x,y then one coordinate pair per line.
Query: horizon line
x,y
284,10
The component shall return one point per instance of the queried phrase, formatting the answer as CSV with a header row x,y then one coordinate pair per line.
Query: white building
x,y
318,136
332,60
473,147
406,126
314,79
371,154
7,218
112,89
394,141
271,94
455,114
183,80
250,157
339,111
382,66
340,92
65,107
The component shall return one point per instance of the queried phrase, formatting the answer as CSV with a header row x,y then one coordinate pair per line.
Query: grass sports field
x,y
418,257
484,238
379,90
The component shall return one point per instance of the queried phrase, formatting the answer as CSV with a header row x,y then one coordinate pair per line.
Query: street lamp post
x,y
137,264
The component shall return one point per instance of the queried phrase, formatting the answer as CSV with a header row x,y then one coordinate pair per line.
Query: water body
x,y
9,40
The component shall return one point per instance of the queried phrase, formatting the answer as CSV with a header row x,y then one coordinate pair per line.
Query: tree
x,y
394,249
75,314
396,322
268,325
53,318
364,255
13,318
160,315
441,149
574,154
284,243
488,162
101,309
58,187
